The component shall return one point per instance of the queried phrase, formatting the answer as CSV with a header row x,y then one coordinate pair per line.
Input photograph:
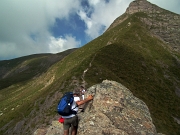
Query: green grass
x,y
125,66
24,94
28,67
133,63
134,58
140,62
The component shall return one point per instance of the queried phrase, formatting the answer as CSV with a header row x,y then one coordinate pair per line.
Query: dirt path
x,y
84,73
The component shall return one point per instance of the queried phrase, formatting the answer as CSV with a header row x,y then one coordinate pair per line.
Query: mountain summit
x,y
139,51
162,23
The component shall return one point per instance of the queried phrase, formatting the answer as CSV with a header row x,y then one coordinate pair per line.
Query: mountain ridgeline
x,y
140,50
27,67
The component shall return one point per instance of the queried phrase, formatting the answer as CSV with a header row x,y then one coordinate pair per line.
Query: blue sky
x,y
52,26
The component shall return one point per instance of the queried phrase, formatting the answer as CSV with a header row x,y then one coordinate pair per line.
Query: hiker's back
x,y
66,105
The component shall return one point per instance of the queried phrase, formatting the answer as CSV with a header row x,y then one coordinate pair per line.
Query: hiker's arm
x,y
90,97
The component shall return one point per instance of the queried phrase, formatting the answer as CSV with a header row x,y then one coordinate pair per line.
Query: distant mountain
x,y
140,50
27,67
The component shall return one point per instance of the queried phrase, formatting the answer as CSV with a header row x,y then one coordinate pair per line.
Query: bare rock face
x,y
113,111
56,128
141,6
162,23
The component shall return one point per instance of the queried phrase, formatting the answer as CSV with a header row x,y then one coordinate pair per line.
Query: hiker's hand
x,y
90,97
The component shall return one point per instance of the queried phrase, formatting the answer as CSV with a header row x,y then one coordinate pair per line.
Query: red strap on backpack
x,y
61,120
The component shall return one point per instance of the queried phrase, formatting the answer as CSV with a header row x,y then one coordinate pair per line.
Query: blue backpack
x,y
65,104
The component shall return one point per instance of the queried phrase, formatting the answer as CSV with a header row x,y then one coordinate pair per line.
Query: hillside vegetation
x,y
27,67
128,54
140,62
22,88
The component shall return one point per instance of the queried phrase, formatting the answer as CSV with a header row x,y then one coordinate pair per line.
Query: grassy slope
x,y
27,67
28,89
138,61
134,59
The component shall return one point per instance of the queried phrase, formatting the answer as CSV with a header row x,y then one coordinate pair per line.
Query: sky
x,y
51,26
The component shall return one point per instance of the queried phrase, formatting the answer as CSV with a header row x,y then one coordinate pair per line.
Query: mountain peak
x,y
143,6
161,23
139,6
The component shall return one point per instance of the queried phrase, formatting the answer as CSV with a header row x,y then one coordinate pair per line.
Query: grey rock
x,y
113,111
163,24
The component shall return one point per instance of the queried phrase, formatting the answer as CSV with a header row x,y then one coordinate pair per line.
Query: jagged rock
x,y
56,128
162,23
113,111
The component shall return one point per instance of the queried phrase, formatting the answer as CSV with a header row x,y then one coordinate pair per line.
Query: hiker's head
x,y
75,94
82,87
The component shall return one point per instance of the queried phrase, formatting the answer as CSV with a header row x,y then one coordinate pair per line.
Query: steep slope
x,y
133,55
27,67
24,84
113,111
161,23
144,64
129,53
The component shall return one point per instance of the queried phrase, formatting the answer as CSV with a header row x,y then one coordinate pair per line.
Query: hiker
x,y
76,96
72,120
82,90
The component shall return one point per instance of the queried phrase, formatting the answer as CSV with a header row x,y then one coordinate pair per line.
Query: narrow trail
x,y
84,73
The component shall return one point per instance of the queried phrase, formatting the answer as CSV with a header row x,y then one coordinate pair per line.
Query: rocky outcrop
x,y
113,111
142,6
162,23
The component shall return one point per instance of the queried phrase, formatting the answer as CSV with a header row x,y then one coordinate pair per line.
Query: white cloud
x,y
172,5
104,13
58,44
3,52
24,25
94,2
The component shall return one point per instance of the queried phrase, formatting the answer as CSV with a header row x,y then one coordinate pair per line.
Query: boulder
x,y
113,111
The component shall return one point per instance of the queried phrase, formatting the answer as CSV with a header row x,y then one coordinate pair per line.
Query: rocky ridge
x,y
162,23
114,110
